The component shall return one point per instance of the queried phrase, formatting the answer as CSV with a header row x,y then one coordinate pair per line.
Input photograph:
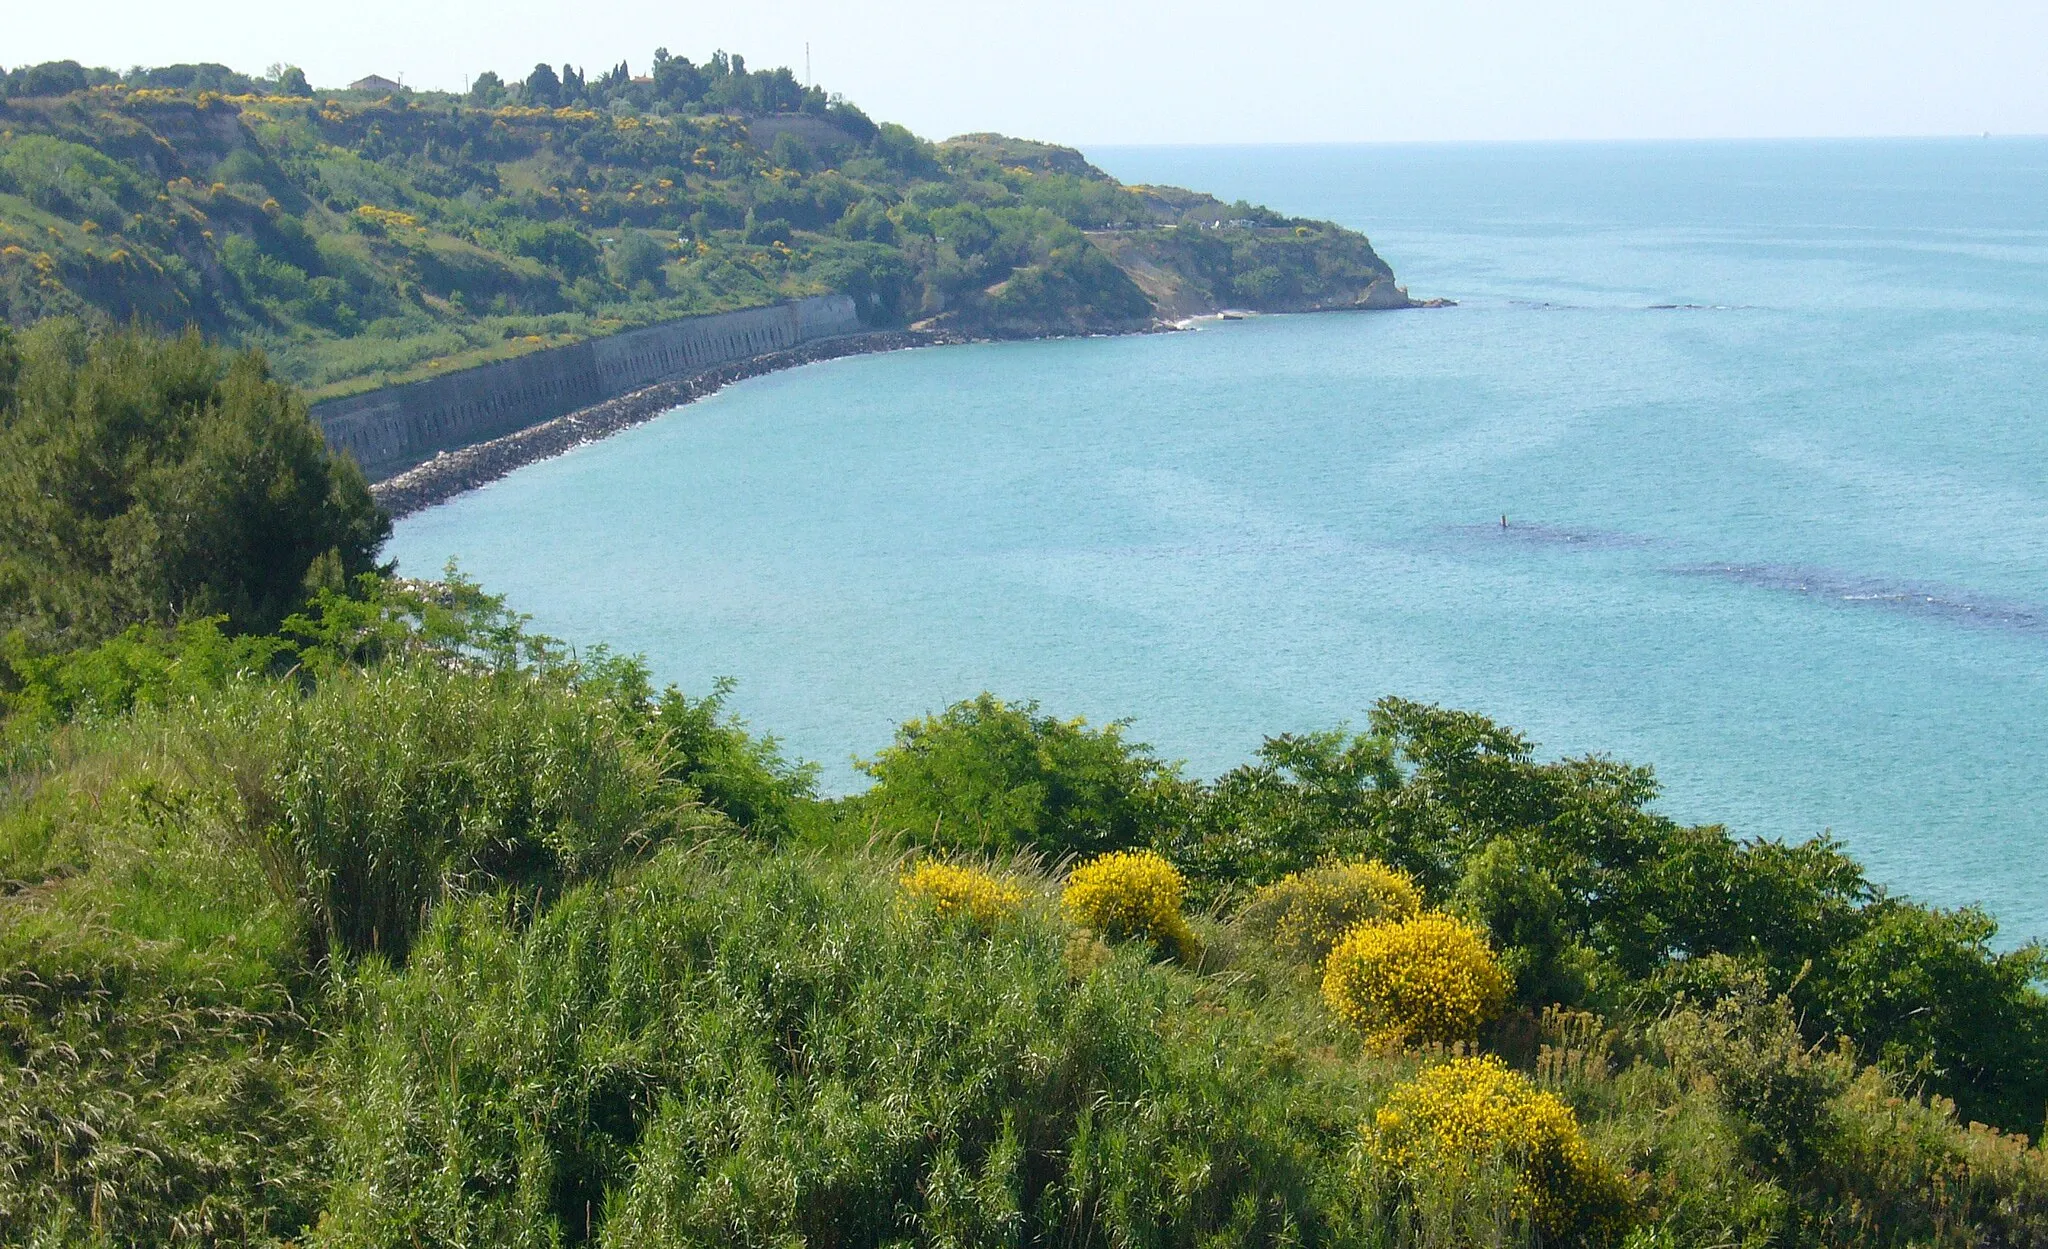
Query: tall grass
x,y
737,1049
176,883
387,790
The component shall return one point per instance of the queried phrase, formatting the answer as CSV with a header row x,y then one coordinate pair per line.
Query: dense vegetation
x,y
341,909
148,481
362,237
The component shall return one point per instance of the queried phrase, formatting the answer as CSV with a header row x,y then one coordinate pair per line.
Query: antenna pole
x,y
807,63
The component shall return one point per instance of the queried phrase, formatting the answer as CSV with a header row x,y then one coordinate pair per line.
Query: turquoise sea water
x,y
1769,423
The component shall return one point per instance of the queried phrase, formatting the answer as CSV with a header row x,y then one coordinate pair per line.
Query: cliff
x,y
370,239
394,429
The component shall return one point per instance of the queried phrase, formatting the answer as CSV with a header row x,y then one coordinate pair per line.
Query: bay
x,y
1765,420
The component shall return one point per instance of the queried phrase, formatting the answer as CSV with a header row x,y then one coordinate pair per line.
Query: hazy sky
x,y
1193,70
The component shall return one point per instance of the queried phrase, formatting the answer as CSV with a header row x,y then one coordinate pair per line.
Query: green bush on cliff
x,y
995,776
149,480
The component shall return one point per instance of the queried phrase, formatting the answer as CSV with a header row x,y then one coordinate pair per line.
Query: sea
x,y
1731,459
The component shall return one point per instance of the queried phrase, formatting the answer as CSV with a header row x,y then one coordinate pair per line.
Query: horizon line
x,y
1932,137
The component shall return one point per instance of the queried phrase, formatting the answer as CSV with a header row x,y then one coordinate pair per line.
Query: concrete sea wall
x,y
394,429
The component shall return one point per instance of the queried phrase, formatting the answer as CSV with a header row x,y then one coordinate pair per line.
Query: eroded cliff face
x,y
1125,280
1196,270
1145,255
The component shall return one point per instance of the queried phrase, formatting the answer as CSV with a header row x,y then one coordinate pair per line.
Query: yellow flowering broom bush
x,y
1462,1115
1304,914
1130,893
1428,978
953,891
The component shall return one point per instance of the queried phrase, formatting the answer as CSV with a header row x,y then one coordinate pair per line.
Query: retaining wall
x,y
394,429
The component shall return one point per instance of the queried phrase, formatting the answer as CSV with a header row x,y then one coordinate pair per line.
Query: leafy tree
x,y
46,79
1306,797
676,81
487,90
147,480
1002,776
637,258
789,151
293,82
542,87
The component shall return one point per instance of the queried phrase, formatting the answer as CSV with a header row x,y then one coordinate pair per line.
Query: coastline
x,y
452,473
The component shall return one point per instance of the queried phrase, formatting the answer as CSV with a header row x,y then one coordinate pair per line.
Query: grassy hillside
x,y
361,238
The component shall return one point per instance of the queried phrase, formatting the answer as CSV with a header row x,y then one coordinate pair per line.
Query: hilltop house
x,y
375,82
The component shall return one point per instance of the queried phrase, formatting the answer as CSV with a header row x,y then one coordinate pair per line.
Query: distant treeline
x,y
722,84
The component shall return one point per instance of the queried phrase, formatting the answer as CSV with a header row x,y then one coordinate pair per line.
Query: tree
x,y
149,480
676,80
49,78
542,87
637,259
487,90
1001,776
293,82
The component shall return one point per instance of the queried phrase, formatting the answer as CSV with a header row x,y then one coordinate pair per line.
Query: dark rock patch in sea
x,y
1904,598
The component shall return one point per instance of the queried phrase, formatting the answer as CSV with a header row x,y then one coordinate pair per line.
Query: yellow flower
x,y
1130,893
1304,914
954,892
1472,1112
1426,978
389,218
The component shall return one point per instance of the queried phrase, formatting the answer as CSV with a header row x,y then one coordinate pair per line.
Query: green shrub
x,y
636,258
1303,914
998,777
145,480
1507,892
139,667
744,776
382,792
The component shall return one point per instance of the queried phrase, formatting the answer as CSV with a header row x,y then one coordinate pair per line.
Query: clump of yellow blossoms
x,y
1426,978
1130,893
1304,914
385,218
954,891
1473,1112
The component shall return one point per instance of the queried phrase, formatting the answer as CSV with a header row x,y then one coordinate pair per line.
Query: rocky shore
x,y
453,472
